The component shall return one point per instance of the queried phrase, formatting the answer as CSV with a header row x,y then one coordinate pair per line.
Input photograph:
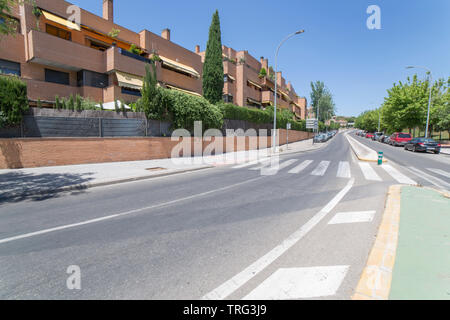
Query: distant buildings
x,y
105,62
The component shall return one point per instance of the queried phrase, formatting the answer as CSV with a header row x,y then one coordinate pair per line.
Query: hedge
x,y
13,100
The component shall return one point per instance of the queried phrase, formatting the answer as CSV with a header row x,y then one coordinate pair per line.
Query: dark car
x,y
377,136
423,144
400,139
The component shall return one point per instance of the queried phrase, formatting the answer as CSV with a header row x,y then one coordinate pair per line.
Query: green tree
x,y
322,100
213,81
151,97
13,100
8,25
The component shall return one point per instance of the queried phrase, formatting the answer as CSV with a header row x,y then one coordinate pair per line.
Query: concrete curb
x,y
376,278
85,186
372,158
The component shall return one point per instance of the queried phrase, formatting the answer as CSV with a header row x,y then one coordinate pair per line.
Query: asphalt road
x,y
417,164
223,233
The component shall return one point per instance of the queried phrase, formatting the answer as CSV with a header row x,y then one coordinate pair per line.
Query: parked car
x,y
423,144
319,138
377,135
387,140
369,135
383,138
399,139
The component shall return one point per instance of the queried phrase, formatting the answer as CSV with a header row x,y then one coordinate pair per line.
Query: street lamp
x,y
274,135
430,77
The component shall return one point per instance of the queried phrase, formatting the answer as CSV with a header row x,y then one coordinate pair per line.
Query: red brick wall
x,y
40,152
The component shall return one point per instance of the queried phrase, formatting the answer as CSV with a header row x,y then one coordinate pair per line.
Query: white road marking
x,y
441,172
251,163
301,167
321,168
397,175
68,226
300,283
281,166
248,273
352,217
344,170
436,181
368,172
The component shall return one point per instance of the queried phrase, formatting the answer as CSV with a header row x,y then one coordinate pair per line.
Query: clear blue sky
x,y
358,65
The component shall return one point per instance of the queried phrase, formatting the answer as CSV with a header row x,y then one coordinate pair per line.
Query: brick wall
x,y
40,152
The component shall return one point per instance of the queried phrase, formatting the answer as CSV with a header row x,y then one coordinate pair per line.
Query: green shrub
x,y
13,100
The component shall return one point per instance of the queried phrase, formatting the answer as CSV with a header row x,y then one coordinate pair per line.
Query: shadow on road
x,y
19,186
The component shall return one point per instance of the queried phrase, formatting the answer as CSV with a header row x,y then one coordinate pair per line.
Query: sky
x,y
358,65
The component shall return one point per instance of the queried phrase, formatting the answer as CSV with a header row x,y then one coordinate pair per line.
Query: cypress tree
x,y
213,67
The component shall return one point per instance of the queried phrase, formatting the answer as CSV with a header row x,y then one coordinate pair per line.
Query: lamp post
x,y
430,77
274,135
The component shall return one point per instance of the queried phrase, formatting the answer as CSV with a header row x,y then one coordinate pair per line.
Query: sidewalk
x,y
21,184
410,258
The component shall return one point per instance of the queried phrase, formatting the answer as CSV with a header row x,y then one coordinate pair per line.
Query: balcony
x,y
53,51
121,60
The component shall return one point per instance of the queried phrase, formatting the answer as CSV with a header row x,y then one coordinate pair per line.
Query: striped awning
x,y
179,66
54,18
250,100
231,77
127,80
254,83
183,90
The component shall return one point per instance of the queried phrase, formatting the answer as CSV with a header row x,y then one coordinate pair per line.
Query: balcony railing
x,y
134,56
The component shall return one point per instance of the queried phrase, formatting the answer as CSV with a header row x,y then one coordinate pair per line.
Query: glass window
x,y
404,135
58,32
56,76
132,92
9,67
92,79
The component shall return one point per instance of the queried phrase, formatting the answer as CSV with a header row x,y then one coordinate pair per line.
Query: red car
x,y
400,139
369,135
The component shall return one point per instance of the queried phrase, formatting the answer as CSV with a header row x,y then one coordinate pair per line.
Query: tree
x,y
150,101
406,105
322,100
213,80
8,25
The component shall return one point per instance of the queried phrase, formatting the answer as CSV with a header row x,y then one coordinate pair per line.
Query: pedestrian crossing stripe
x,y
343,170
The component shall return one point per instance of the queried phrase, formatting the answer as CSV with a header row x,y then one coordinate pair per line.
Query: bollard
x,y
380,158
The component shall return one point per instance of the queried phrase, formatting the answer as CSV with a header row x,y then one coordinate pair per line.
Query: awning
x,y
254,101
179,66
285,94
61,21
129,81
183,90
231,77
255,84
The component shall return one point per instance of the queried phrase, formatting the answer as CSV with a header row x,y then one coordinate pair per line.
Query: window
x,y
14,22
225,78
9,67
133,92
92,79
56,77
58,32
404,135
227,98
98,46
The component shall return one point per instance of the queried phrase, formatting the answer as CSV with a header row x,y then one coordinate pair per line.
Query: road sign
x,y
312,124
288,126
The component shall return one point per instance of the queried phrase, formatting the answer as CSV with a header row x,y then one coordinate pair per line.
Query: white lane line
x,y
368,172
280,166
440,172
321,168
344,170
251,163
432,179
68,226
352,217
301,167
397,175
248,273
300,283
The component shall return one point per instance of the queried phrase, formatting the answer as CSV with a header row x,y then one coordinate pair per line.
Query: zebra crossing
x,y
370,171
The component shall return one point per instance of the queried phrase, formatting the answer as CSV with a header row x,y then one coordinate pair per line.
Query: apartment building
x,y
56,56
245,85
